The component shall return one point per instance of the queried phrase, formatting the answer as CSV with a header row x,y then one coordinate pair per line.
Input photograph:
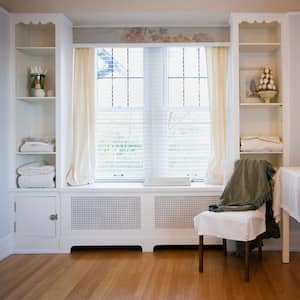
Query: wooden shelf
x,y
35,153
37,51
243,152
251,104
258,47
36,99
30,190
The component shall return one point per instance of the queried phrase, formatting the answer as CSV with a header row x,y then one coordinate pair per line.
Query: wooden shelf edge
x,y
259,44
261,104
35,153
244,152
36,99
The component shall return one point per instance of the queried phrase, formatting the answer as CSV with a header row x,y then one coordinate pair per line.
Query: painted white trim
x,y
40,251
141,45
6,246
3,10
43,18
114,26
124,188
293,13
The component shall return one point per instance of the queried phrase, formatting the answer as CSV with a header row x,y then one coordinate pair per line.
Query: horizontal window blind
x,y
119,114
188,138
152,116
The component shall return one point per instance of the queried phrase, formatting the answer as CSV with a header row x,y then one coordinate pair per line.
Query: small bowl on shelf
x,y
267,96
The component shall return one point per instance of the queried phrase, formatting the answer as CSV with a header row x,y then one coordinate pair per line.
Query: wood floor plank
x,y
165,274
42,280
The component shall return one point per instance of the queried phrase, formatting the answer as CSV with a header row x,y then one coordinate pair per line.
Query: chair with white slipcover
x,y
244,226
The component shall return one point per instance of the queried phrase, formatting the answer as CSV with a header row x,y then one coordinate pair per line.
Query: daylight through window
x,y
152,114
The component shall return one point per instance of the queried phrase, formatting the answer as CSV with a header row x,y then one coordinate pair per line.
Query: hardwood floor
x,y
164,274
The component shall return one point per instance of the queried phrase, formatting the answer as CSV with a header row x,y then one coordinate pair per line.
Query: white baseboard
x,y
6,246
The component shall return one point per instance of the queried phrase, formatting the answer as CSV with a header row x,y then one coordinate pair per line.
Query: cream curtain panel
x,y
82,165
217,69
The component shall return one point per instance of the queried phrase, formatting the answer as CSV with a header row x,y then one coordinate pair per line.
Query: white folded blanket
x,y
37,181
35,169
261,144
46,140
37,147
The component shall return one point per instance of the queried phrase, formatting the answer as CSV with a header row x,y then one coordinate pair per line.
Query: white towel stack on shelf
x,y
36,175
33,144
261,144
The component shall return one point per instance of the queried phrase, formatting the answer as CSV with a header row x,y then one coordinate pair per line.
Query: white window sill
x,y
129,187
140,188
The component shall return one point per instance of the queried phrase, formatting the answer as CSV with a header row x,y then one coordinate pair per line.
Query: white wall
x,y
4,97
294,88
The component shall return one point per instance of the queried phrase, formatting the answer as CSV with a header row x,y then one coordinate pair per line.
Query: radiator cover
x,y
110,213
179,211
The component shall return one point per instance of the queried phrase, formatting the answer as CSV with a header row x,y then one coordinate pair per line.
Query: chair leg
x,y
259,245
225,247
247,250
201,253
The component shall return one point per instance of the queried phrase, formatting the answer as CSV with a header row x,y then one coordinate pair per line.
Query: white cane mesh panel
x,y
96,213
178,212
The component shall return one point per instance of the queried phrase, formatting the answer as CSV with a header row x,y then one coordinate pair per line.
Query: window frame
x,y
148,115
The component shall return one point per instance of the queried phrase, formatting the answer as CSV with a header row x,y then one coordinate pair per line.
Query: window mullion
x,y
199,92
183,73
112,77
127,52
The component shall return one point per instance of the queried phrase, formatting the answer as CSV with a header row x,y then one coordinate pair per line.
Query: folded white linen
x,y
273,139
36,168
37,181
261,144
37,147
46,140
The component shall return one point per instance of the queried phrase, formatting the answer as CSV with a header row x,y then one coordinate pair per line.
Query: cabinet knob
x,y
53,217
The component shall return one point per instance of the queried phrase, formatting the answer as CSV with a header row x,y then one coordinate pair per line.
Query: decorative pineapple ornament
x,y
266,88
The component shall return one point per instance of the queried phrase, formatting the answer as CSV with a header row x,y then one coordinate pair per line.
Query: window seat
x,y
131,187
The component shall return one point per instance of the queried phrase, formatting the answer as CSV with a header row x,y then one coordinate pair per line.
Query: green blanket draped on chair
x,y
249,188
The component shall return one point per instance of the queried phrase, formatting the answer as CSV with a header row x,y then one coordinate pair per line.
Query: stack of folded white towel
x,y
34,144
261,144
36,175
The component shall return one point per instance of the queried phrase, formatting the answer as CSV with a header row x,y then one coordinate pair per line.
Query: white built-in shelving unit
x,y
257,41
35,45
41,40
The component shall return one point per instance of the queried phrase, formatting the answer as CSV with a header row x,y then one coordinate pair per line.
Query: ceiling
x,y
148,12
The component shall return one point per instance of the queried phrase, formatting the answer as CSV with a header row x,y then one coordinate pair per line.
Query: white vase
x,y
37,93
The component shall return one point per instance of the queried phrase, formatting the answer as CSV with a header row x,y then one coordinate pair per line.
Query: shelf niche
x,y
259,32
35,35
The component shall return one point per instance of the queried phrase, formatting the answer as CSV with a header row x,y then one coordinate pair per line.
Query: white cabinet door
x,y
36,216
